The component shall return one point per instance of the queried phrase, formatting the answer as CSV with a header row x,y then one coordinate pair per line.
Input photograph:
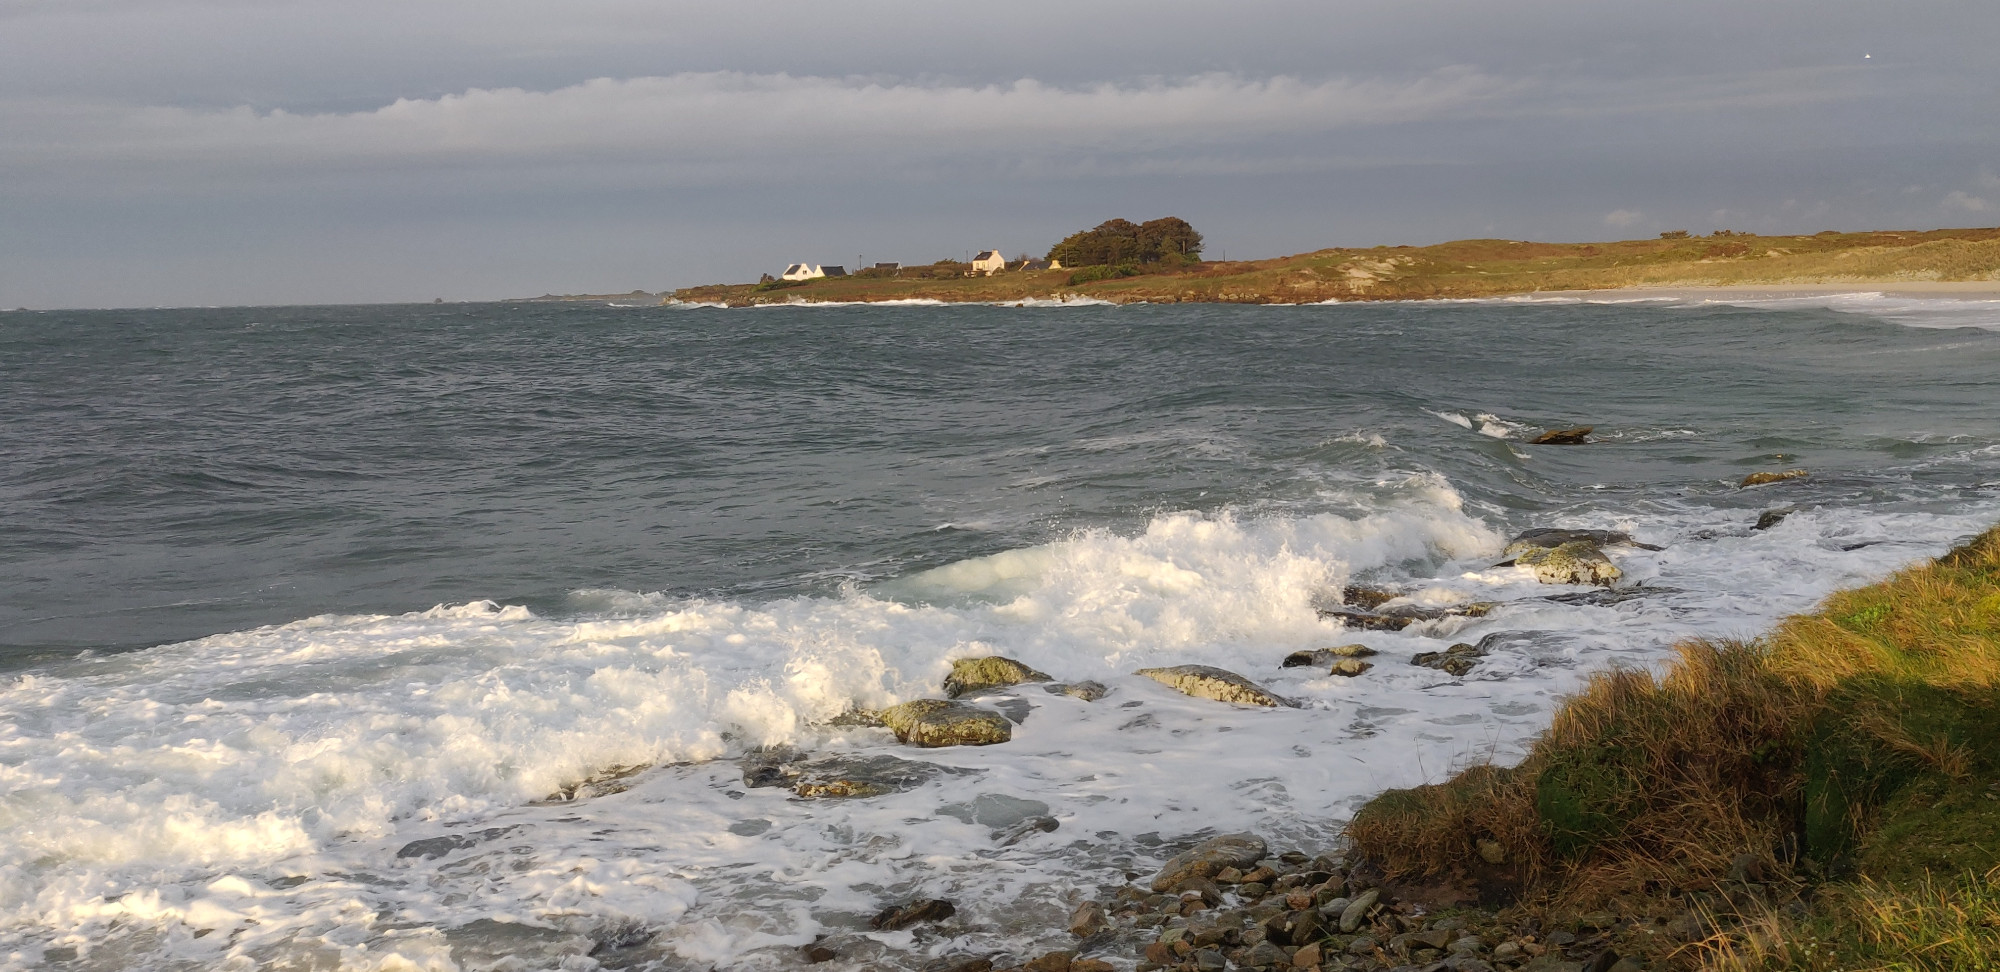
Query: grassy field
x,y
1826,797
1465,268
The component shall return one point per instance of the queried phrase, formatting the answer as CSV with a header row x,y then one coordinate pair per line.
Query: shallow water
x,y
288,589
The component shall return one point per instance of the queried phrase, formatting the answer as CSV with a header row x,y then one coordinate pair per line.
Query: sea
x,y
489,636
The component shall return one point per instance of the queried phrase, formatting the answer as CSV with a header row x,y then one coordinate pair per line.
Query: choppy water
x,y
283,590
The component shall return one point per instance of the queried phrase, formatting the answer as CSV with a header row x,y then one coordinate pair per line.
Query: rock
x,y
1209,960
771,766
1264,955
1362,945
1366,598
1324,657
903,916
1401,616
1349,667
1601,962
990,671
1306,957
1767,478
1025,828
1087,920
1087,691
431,848
1609,596
1467,963
1051,962
935,722
1334,907
959,963
1572,436
1508,951
1771,518
1160,953
1547,537
817,953
1357,910
1491,851
1091,965
857,717
865,776
1206,682
1456,660
1210,856
1575,562
1467,944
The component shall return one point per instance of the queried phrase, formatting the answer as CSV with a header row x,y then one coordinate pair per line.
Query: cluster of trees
x,y
1117,242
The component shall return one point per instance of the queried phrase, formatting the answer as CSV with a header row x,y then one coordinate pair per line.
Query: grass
x,y
1826,797
1463,268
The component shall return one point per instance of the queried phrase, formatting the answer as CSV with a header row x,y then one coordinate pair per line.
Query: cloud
x,y
1621,218
1963,201
731,124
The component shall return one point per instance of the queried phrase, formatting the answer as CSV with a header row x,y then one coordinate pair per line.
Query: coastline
x,y
1962,289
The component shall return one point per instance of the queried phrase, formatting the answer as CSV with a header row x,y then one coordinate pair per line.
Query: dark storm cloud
x,y
174,150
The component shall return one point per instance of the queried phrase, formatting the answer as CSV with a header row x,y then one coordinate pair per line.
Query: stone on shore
x,y
1087,691
989,671
1456,660
1575,562
859,776
1209,857
1357,910
903,916
1767,478
1572,436
1208,682
1545,537
1771,518
936,722
1323,657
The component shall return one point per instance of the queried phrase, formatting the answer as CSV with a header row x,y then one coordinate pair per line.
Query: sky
x,y
202,152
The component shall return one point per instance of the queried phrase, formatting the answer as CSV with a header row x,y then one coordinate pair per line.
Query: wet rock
x,y
1366,598
1547,537
1326,657
1767,478
1087,920
1571,436
1357,910
1206,682
1306,957
857,718
1609,596
817,953
431,848
866,776
934,722
903,916
990,671
1398,617
773,766
1771,518
959,963
1456,660
1264,955
1091,965
1087,691
1209,960
1575,562
1349,667
1051,962
1025,828
1210,856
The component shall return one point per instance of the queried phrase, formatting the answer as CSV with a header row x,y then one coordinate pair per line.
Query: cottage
x,y
832,271
1027,265
989,262
802,271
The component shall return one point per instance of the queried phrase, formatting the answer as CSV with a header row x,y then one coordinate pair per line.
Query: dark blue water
x,y
168,474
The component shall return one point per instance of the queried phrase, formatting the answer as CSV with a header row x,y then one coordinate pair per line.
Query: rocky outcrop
x,y
987,672
1771,518
1326,657
1767,478
1205,860
902,916
1571,436
1206,682
1575,562
1547,538
1398,617
936,722
1087,691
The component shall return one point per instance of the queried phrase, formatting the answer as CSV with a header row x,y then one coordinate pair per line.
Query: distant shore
x,y
1946,262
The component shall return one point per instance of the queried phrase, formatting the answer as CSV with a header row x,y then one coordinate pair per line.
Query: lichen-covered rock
x,y
1767,478
990,671
1456,660
1348,667
1206,859
936,722
1575,562
1208,682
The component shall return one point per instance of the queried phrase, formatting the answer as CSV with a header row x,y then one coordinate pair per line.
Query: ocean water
x,y
435,637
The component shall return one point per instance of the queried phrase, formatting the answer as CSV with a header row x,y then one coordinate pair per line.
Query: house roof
x,y
986,255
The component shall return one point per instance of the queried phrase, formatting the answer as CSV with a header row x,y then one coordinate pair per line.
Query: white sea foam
x,y
254,788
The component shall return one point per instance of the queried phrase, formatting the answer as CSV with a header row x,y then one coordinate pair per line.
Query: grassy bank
x,y
1826,797
1465,268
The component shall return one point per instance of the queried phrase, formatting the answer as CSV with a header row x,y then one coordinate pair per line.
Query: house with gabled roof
x,y
989,262
802,271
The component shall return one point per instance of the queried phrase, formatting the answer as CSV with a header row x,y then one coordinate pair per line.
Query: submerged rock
x,y
773,766
1366,598
1207,682
1767,478
1325,657
1087,691
990,671
865,776
936,722
1206,859
1403,615
1348,667
1771,518
1572,436
1609,596
1546,538
1456,660
1575,562
903,916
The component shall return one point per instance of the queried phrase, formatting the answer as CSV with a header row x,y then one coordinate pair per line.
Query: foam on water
x,y
252,799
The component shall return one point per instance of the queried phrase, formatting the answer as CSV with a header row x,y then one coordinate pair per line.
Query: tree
x,y
1119,241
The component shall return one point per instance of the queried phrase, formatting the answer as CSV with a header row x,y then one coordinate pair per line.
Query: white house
x,y
989,262
802,271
